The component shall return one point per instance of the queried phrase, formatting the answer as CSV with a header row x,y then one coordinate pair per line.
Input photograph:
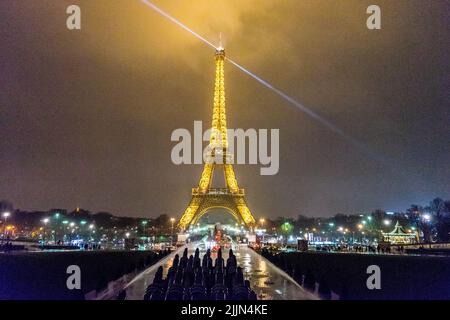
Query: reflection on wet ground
x,y
268,281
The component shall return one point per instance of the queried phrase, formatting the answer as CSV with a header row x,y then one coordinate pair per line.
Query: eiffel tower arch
x,y
204,197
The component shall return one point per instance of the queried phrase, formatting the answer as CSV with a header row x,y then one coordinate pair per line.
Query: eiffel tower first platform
x,y
204,197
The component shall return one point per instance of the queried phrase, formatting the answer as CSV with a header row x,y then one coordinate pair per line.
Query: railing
x,y
196,191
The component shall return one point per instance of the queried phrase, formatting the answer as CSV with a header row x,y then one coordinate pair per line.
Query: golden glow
x,y
218,138
231,179
204,197
205,180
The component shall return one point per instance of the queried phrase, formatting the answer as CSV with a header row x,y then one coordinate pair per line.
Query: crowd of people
x,y
362,248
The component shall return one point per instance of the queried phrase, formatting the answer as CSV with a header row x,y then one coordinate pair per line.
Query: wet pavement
x,y
267,280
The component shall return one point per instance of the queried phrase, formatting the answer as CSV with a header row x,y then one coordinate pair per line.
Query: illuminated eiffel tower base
x,y
231,198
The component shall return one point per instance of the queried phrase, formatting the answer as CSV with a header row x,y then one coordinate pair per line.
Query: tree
x,y
415,212
440,219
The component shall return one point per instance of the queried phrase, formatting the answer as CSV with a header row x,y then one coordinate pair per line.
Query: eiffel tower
x,y
204,197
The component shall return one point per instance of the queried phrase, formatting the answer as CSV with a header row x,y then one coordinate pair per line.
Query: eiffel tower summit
x,y
231,197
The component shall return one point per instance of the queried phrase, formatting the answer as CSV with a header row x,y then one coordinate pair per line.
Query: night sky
x,y
86,116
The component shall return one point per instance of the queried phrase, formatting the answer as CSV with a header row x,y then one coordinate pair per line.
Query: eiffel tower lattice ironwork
x,y
204,197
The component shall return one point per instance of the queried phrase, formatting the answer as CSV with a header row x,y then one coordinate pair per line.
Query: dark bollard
x,y
184,258
188,280
158,275
239,279
197,259
176,261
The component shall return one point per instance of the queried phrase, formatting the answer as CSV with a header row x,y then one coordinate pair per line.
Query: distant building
x,y
398,236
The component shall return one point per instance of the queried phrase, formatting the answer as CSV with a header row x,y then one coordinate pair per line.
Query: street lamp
x,y
172,221
91,228
144,223
261,221
5,215
387,222
45,221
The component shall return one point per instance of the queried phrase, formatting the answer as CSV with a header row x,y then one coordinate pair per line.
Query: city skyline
x,y
87,116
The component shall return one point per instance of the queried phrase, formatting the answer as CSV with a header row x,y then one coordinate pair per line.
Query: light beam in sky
x,y
283,95
168,16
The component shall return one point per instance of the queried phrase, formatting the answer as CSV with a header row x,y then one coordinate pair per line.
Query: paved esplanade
x,y
268,281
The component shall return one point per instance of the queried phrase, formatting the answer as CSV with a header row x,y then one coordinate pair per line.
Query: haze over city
x,y
86,117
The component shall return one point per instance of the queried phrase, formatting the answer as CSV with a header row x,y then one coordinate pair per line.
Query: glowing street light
x,y
45,221
144,224
360,226
387,222
426,217
6,215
